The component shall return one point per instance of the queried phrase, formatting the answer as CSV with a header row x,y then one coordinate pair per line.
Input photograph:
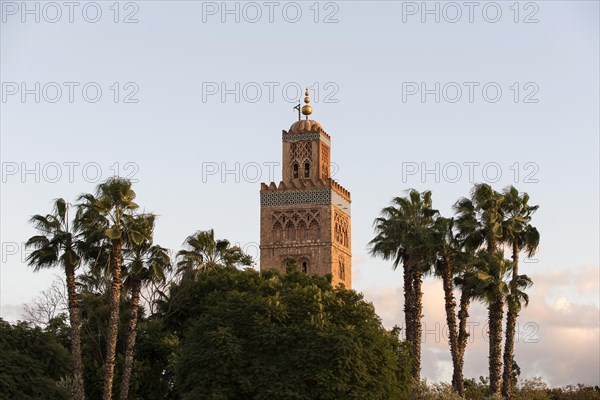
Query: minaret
x,y
306,217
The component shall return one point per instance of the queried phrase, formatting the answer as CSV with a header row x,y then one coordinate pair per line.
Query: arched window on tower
x,y
302,231
306,170
342,271
277,232
295,170
290,231
305,267
313,230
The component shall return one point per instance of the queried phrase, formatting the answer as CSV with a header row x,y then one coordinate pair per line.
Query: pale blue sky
x,y
362,61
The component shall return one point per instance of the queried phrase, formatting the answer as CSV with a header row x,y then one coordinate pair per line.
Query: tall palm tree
x,y
493,290
101,216
449,257
56,245
467,282
144,262
520,236
480,223
402,236
203,252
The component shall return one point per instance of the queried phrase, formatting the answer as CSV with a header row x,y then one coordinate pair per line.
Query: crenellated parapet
x,y
340,189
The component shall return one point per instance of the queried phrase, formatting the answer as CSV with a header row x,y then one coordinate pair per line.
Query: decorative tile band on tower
x,y
305,136
303,197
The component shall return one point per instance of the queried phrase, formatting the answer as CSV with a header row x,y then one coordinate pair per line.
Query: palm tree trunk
x,y
131,336
511,321
491,248
113,324
463,335
495,313
417,315
408,309
451,321
75,320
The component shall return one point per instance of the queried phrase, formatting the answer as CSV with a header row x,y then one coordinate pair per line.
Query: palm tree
x,y
56,245
145,262
492,270
449,256
101,217
203,252
480,223
519,235
467,282
402,236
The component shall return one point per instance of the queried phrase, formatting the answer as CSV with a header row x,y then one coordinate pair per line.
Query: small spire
x,y
307,109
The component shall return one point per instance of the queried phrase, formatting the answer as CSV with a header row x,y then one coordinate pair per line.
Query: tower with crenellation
x,y
306,217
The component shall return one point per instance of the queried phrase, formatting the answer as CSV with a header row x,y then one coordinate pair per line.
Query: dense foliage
x,y
33,363
250,335
231,335
529,389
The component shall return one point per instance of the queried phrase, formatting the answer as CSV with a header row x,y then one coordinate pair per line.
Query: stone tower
x,y
307,216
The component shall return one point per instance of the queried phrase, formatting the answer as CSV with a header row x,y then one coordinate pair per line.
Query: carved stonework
x,y
301,151
341,228
300,225
324,162
342,270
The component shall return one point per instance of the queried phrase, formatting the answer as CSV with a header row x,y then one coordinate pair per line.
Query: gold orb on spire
x,y
307,109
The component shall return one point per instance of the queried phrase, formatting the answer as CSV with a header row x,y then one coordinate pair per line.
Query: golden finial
x,y
307,109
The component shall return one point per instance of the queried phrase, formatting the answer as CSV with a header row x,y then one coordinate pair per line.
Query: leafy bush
x,y
263,336
33,364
